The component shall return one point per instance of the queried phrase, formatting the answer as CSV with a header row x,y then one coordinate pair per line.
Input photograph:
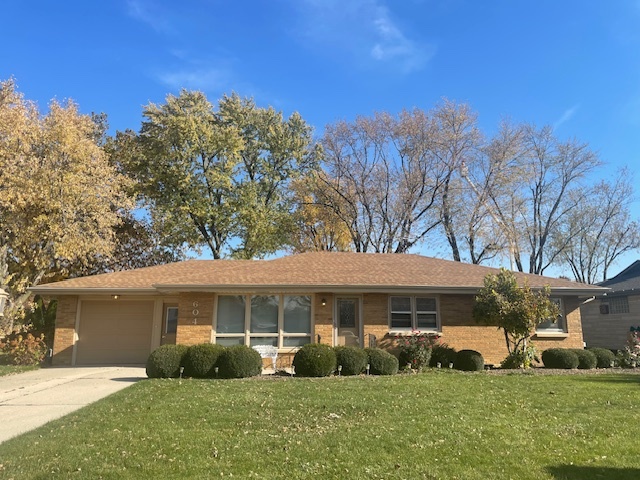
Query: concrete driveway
x,y
31,399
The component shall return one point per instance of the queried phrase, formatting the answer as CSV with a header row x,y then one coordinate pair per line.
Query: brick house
x,y
607,319
334,298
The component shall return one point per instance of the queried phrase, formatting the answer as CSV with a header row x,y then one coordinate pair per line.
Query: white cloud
x,y
206,79
365,30
148,13
566,116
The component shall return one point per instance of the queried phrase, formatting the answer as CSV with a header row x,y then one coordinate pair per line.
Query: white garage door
x,y
114,332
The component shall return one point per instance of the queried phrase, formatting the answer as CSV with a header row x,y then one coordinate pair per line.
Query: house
x,y
333,298
607,320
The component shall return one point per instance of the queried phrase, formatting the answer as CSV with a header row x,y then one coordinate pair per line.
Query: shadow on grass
x,y
575,472
627,378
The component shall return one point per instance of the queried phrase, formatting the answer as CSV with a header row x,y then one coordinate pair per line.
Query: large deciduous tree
x,y
59,195
605,229
318,227
218,178
541,183
382,180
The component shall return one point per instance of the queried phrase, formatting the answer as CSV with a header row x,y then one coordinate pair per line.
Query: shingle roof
x,y
318,271
625,281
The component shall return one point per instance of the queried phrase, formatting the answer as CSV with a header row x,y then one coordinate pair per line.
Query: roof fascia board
x,y
52,291
409,289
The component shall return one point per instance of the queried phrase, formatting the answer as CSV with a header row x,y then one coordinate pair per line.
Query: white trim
x,y
360,289
156,332
550,334
76,336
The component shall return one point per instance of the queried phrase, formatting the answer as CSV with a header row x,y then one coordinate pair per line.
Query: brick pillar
x,y
323,319
65,330
375,316
195,318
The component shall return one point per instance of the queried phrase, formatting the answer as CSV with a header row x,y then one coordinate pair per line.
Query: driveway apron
x,y
31,399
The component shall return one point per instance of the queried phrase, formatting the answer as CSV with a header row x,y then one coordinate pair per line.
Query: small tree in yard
x,y
517,310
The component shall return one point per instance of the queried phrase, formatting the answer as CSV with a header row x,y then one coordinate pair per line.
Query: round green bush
x,y
586,359
353,360
166,360
560,358
469,361
315,360
605,358
442,354
381,362
200,360
239,361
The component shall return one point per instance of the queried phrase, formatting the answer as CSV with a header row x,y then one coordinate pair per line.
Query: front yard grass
x,y
440,424
10,369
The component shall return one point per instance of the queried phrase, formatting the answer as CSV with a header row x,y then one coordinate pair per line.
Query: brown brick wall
x,y
323,319
65,330
375,309
574,339
459,330
194,321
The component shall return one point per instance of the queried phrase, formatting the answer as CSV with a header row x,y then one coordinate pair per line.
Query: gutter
x,y
53,291
158,289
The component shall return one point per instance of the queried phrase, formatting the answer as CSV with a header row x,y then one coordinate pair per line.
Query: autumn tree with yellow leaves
x,y
60,198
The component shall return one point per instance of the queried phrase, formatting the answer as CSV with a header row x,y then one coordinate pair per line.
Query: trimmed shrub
x,y
586,359
200,360
469,361
239,361
315,360
353,360
381,362
605,358
165,361
442,354
560,358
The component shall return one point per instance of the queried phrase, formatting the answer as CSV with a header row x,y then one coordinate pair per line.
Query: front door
x,y
169,325
348,322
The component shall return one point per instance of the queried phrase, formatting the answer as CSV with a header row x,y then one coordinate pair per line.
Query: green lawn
x,y
9,369
440,424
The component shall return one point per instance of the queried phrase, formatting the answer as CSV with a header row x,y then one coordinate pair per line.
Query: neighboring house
x,y
333,298
607,320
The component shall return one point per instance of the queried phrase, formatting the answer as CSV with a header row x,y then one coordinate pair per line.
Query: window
x,y
554,324
277,320
614,305
171,324
413,313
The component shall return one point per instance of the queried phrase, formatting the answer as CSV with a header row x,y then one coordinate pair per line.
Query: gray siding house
x,y
608,319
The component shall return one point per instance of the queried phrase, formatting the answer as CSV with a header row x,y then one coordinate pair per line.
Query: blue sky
x,y
573,64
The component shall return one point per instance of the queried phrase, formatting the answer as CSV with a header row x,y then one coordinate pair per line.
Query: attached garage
x,y
114,332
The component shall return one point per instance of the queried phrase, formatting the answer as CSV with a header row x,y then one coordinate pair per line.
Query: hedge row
x,y
567,358
204,361
317,360
312,360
